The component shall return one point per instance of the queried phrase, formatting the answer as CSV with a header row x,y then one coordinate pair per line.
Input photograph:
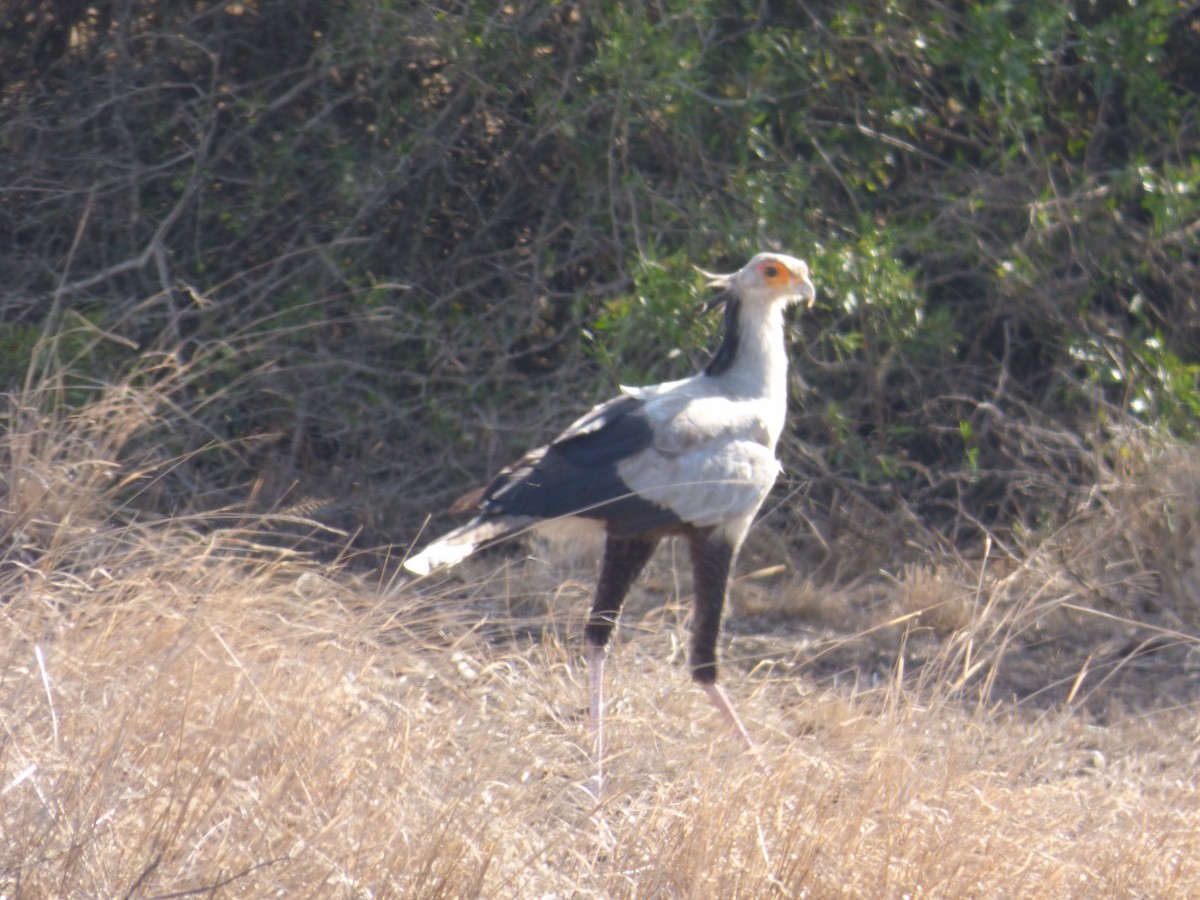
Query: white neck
x,y
752,366
754,358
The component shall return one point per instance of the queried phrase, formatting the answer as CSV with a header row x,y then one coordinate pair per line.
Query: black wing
x,y
576,474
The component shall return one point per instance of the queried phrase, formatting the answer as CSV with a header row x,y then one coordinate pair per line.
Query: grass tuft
x,y
187,709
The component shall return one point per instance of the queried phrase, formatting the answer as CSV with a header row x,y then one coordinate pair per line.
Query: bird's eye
x,y
774,274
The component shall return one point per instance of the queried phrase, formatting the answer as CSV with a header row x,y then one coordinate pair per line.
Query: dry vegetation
x,y
186,711
278,278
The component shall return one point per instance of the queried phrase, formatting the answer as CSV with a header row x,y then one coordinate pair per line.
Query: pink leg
x,y
719,699
596,696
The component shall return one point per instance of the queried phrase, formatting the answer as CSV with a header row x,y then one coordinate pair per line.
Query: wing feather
x,y
644,461
577,473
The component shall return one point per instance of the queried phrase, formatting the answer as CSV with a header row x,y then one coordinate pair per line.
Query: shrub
x,y
386,229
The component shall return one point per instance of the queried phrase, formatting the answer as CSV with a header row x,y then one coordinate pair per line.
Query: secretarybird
x,y
693,458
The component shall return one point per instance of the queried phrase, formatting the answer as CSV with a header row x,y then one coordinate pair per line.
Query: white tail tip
x,y
439,555
455,546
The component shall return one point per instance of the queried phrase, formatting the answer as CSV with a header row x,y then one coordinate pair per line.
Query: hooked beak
x,y
808,293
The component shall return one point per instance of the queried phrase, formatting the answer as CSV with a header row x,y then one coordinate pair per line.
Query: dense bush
x,y
398,241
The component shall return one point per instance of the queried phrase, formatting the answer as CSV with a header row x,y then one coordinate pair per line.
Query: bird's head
x,y
768,279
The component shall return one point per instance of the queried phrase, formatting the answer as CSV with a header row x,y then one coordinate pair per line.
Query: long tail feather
x,y
455,546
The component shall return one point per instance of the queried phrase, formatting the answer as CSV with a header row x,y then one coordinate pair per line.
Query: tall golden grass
x,y
187,711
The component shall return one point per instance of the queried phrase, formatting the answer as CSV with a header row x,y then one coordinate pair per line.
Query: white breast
x,y
712,460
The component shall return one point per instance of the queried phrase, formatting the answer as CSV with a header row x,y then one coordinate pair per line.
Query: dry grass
x,y
187,711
